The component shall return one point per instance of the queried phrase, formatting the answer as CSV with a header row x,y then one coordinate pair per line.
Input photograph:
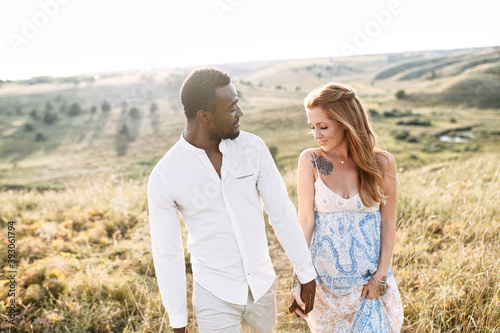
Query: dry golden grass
x,y
85,263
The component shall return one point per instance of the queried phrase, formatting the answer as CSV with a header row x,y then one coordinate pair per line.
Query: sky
x,y
70,37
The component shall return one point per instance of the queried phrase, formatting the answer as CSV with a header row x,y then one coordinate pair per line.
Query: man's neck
x,y
200,138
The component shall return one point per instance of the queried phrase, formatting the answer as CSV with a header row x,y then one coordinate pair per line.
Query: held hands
x,y
375,288
303,298
180,330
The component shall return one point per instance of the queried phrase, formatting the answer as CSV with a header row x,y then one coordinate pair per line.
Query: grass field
x,y
80,207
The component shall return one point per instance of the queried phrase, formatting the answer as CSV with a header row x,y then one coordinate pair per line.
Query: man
x,y
213,176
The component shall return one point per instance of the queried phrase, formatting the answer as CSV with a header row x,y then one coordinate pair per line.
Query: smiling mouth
x,y
322,143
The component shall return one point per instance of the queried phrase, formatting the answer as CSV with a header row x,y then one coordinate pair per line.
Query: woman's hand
x,y
373,289
302,297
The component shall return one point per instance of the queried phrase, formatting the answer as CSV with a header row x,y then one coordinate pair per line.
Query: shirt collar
x,y
190,147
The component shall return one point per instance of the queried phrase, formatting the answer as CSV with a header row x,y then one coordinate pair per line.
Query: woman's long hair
x,y
341,104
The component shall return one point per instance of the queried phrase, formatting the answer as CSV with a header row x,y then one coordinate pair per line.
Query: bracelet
x,y
382,282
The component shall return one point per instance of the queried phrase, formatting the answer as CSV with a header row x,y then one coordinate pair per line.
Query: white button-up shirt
x,y
226,230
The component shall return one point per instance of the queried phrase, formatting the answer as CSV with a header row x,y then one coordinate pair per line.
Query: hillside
x,y
53,131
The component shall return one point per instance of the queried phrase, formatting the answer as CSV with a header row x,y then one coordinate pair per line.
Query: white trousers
x,y
215,315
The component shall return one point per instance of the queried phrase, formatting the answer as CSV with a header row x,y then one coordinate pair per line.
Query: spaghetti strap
x,y
316,166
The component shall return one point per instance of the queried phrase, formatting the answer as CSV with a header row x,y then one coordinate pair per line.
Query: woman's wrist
x,y
380,274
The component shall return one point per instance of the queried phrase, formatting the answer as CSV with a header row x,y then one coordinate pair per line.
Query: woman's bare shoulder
x,y
386,160
308,153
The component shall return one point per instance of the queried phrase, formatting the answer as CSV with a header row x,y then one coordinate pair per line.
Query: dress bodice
x,y
346,240
327,201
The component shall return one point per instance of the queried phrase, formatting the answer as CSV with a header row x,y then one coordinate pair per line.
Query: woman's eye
x,y
323,128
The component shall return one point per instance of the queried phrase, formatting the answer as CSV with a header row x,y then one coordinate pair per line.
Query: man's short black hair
x,y
198,90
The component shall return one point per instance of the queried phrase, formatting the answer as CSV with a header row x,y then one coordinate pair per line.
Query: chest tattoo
x,y
324,167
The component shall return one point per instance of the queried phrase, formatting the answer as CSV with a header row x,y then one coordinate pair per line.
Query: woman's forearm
x,y
307,225
387,237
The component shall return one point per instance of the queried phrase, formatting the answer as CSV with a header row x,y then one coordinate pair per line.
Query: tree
x,y
401,94
153,108
40,137
134,113
274,152
48,107
105,107
75,109
49,118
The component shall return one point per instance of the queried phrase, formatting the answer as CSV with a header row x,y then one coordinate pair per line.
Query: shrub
x,y
374,113
415,122
401,94
395,113
40,137
274,152
48,107
400,134
75,109
49,118
105,106
432,148
134,113
34,294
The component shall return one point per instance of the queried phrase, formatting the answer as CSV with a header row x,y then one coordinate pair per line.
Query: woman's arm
x,y
374,289
388,214
305,192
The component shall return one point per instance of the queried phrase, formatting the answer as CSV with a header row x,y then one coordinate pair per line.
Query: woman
x,y
347,209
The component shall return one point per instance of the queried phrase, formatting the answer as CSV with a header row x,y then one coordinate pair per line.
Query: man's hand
x,y
180,330
303,299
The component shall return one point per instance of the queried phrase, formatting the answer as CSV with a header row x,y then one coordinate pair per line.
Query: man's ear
x,y
204,116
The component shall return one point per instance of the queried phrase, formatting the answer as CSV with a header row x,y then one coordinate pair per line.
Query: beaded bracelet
x,y
382,282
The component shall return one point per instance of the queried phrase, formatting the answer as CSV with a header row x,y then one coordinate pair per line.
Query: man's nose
x,y
240,112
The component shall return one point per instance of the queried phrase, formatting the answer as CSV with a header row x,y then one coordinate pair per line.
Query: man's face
x,y
227,113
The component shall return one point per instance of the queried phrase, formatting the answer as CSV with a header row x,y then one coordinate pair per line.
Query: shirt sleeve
x,y
283,216
167,248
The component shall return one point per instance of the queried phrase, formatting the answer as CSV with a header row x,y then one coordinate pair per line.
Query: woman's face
x,y
329,133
